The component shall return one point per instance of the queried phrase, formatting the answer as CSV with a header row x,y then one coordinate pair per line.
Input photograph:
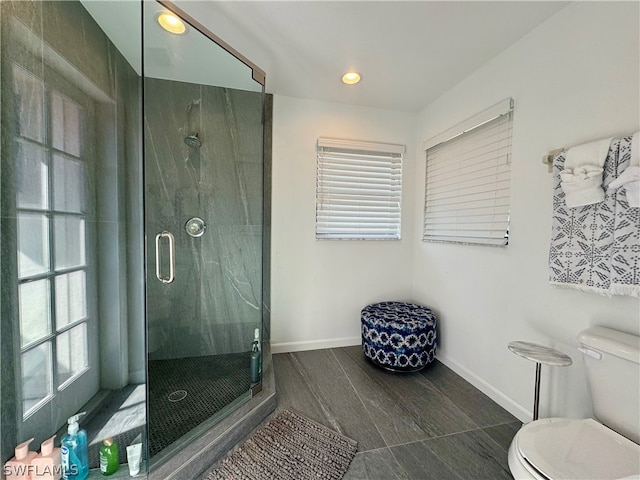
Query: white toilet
x,y
601,449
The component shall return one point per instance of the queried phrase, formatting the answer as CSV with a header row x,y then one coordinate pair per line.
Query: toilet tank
x,y
612,362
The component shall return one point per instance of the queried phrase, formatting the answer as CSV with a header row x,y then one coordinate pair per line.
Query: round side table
x,y
541,355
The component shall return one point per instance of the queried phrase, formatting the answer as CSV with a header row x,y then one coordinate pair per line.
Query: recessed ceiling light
x,y
351,78
171,23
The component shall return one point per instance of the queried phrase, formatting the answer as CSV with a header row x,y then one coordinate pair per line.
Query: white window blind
x,y
358,190
468,181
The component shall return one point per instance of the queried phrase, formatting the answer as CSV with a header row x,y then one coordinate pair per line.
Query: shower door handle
x,y
172,257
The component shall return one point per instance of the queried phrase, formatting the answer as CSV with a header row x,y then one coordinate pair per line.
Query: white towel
x,y
630,180
582,186
582,174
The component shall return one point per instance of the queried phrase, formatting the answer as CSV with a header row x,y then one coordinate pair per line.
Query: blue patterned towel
x,y
596,247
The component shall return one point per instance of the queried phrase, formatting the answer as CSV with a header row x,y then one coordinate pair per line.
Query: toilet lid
x,y
578,449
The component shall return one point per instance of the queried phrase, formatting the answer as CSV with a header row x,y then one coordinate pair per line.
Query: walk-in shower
x,y
132,228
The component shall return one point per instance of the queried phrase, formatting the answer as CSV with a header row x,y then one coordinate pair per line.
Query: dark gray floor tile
x,y
480,408
340,404
471,455
432,411
375,465
421,463
396,424
293,391
344,391
503,434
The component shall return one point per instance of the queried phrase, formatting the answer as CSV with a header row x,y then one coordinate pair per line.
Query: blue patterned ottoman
x,y
398,336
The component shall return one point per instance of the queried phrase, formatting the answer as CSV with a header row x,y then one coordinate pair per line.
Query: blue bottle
x,y
74,452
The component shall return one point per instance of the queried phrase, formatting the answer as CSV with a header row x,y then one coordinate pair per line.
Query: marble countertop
x,y
540,354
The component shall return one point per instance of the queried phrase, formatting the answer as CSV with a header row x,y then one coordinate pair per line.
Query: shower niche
x,y
133,216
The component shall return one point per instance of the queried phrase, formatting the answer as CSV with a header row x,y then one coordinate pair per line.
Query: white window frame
x,y
358,190
468,180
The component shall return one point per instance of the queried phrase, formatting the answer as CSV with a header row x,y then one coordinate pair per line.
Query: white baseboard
x,y
493,393
287,347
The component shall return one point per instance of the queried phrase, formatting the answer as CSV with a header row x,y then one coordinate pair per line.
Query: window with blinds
x,y
468,177
358,190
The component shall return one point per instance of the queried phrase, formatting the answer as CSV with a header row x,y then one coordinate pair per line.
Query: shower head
x,y
193,141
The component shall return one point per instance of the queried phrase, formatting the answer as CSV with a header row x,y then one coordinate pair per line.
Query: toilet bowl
x,y
563,448
586,449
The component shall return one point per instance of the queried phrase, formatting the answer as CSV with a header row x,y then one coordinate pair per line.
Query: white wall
x,y
575,78
320,286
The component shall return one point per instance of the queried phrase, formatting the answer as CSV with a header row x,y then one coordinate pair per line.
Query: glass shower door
x,y
203,223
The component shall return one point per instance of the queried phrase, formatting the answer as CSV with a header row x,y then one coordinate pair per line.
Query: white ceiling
x,y
408,52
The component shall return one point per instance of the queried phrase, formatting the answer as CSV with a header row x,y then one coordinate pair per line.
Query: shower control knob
x,y
195,227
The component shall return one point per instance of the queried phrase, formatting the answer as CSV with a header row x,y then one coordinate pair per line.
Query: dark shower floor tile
x,y
184,392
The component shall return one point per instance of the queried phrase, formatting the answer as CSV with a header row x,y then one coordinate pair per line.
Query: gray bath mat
x,y
289,447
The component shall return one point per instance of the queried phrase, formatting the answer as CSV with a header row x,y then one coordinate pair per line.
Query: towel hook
x,y
548,158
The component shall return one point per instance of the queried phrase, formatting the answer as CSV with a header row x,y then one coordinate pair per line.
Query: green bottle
x,y
109,462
